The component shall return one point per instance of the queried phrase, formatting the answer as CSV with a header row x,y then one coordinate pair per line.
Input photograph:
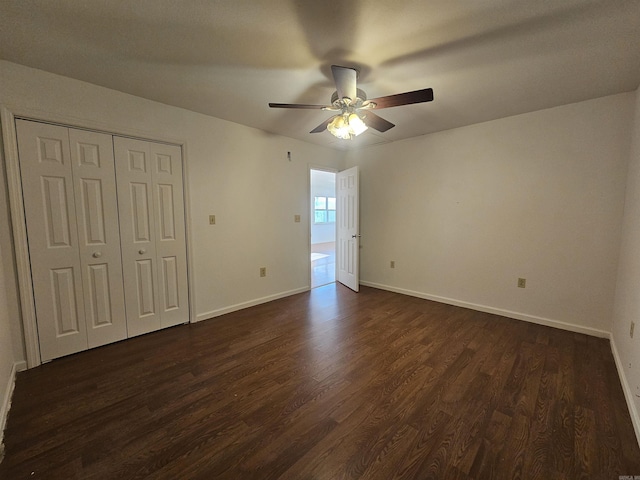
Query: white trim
x,y
628,394
497,311
6,401
188,235
251,303
8,114
19,229
21,366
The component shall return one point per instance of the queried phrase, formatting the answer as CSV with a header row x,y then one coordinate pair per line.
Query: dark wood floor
x,y
329,385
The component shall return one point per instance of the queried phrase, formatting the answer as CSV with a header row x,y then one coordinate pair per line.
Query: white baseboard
x,y
497,311
628,394
250,303
6,401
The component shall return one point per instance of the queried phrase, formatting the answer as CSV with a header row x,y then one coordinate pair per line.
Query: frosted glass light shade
x,y
346,126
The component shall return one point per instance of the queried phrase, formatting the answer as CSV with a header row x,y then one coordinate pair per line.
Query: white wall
x,y
466,212
240,174
627,301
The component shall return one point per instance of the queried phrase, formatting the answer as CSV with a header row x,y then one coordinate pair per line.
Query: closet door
x,y
151,206
171,246
98,236
47,185
68,182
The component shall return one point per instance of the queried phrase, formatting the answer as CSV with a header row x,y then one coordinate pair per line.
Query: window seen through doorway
x,y
324,210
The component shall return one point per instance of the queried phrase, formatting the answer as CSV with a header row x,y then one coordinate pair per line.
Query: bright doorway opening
x,y
323,227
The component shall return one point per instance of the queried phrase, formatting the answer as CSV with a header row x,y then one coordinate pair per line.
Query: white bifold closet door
x,y
106,233
69,190
150,202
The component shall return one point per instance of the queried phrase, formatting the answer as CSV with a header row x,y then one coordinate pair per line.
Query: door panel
x,y
99,313
167,212
47,184
153,234
171,244
140,214
56,211
99,236
146,282
170,283
65,313
137,227
348,228
92,205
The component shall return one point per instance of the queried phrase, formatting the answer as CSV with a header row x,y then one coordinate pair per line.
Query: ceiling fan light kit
x,y
346,126
350,101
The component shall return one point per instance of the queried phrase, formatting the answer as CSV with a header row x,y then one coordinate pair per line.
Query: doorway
x,y
323,227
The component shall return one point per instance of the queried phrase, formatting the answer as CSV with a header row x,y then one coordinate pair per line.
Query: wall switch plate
x,y
296,218
633,326
212,219
392,264
522,282
263,271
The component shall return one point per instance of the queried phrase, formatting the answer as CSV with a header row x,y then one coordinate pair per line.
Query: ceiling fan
x,y
354,109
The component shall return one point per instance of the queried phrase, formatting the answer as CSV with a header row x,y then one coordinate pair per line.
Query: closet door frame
x,y
20,251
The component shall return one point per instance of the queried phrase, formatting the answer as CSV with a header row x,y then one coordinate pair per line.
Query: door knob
x,y
96,255
142,251
356,236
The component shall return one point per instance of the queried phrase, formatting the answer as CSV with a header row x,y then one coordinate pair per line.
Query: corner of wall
x,y
626,307
628,395
6,402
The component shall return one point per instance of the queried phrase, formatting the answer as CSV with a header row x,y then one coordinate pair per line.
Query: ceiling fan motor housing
x,y
359,95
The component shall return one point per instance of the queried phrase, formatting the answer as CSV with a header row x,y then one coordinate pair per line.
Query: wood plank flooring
x,y
329,385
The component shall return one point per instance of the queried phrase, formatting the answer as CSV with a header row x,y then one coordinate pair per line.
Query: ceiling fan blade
x,y
297,105
376,122
323,126
407,98
345,79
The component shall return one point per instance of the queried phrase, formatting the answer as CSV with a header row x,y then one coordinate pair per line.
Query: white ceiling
x,y
484,59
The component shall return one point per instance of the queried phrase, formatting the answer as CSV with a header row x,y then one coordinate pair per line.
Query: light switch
x,y
296,218
212,219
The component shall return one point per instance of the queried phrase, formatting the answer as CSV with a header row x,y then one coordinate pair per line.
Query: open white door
x,y
348,248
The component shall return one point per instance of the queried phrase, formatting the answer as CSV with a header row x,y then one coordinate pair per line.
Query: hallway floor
x,y
323,264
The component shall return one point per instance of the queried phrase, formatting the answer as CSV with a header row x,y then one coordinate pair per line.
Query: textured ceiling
x,y
228,58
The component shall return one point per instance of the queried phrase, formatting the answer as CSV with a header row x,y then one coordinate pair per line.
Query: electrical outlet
x,y
522,282
212,219
296,218
392,264
633,326
263,271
